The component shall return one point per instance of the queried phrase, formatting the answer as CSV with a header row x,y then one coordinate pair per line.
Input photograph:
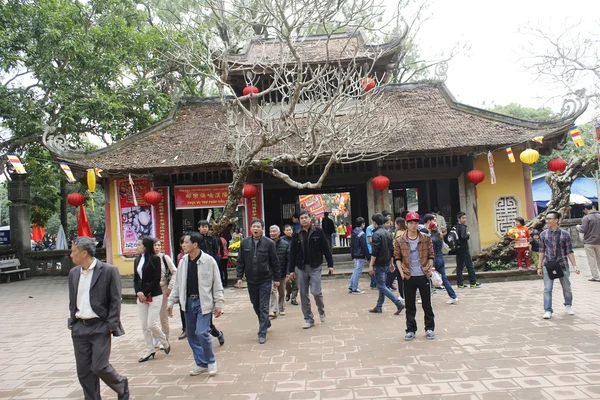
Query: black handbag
x,y
553,267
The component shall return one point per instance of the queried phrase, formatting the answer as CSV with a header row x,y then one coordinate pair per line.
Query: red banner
x,y
135,222
201,196
162,220
254,209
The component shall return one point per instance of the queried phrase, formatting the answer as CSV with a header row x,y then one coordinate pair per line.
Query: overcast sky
x,y
493,71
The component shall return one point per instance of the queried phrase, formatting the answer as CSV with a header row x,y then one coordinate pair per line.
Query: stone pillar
x,y
20,225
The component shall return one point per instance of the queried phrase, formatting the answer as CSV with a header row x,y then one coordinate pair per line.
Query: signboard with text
x,y
201,196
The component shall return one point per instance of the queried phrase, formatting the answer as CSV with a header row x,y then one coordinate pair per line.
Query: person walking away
x,y
94,316
258,261
463,256
328,227
277,302
180,256
360,253
167,279
521,235
224,258
439,264
381,262
309,246
348,233
590,227
342,234
199,290
291,285
441,221
556,250
414,256
369,233
146,281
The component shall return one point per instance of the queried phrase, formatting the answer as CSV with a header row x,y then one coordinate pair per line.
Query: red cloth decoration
x,y
76,199
37,233
250,89
367,84
249,191
381,182
475,176
557,165
153,197
83,228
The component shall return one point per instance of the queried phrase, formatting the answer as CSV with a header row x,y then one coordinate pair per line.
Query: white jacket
x,y
209,284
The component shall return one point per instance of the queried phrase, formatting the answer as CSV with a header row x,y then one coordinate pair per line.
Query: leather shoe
x,y
294,302
183,335
125,395
375,310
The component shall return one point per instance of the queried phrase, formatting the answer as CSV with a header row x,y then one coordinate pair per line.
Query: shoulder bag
x,y
553,266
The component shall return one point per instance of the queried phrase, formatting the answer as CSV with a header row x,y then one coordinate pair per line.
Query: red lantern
x,y
250,89
249,191
153,197
557,165
381,182
367,84
76,199
475,176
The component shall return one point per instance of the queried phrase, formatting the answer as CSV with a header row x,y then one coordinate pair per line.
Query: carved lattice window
x,y
506,210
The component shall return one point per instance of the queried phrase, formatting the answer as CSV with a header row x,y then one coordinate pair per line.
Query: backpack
x,y
355,245
168,272
453,239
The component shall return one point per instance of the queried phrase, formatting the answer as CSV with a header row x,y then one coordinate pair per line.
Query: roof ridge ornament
x,y
441,71
58,143
573,107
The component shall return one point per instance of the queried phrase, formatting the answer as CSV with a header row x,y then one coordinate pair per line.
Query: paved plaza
x,y
492,345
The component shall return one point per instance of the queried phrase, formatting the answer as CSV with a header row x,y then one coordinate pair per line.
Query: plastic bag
x,y
436,279
445,248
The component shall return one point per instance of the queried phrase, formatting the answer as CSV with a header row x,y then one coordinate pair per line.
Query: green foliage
x,y
44,176
500,265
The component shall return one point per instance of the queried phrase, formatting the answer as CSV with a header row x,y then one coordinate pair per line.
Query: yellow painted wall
x,y
510,181
125,265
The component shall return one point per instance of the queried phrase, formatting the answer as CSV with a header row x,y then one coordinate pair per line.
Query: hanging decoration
x,y
250,90
135,203
475,176
67,171
153,197
91,183
249,191
83,226
16,163
557,165
367,84
97,171
538,139
381,182
511,156
491,165
76,199
529,156
576,136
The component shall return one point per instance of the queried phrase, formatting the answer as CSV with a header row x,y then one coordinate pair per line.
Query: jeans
x,y
463,258
549,284
260,294
310,278
440,266
359,264
410,289
198,326
380,277
373,281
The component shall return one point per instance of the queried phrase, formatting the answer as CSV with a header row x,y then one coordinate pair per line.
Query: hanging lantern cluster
x,y
529,156
249,191
381,182
475,176
557,165
76,199
153,197
250,90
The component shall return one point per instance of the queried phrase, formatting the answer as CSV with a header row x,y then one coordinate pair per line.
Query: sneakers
x,y
323,317
357,291
308,325
376,310
294,302
373,287
475,285
281,312
452,301
212,369
570,310
520,268
409,336
462,286
430,335
399,308
221,338
547,315
287,297
198,371
420,301
262,340
272,315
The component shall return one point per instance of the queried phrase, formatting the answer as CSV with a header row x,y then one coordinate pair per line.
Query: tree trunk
x,y
236,189
560,183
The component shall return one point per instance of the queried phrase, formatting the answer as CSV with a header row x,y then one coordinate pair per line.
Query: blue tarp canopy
x,y
582,186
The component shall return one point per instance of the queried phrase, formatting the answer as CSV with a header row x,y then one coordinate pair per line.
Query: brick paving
x,y
492,345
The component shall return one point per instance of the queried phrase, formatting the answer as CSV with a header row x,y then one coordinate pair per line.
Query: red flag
x,y
37,233
83,229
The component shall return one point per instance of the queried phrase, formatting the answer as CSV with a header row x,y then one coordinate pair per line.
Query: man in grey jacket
x,y
590,227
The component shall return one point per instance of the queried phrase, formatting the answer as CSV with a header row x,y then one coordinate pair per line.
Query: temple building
x,y
185,159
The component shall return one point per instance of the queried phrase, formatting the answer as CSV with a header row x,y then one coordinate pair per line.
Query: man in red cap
x,y
414,257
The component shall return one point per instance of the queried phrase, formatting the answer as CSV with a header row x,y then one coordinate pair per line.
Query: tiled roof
x,y
433,124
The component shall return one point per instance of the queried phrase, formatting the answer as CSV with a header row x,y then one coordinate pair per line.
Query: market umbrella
x,y
575,198
61,239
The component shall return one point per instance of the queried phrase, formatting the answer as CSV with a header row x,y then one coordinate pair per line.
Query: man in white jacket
x,y
198,285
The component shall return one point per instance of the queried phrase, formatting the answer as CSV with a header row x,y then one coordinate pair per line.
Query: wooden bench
x,y
11,266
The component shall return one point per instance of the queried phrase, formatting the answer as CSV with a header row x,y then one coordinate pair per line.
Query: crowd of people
x,y
402,256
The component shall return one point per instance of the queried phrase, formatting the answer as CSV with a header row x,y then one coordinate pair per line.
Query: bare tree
x,y
312,107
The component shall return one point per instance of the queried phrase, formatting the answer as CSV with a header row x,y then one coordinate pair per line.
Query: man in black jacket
x,y
307,249
382,254
209,243
258,260
277,302
463,256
